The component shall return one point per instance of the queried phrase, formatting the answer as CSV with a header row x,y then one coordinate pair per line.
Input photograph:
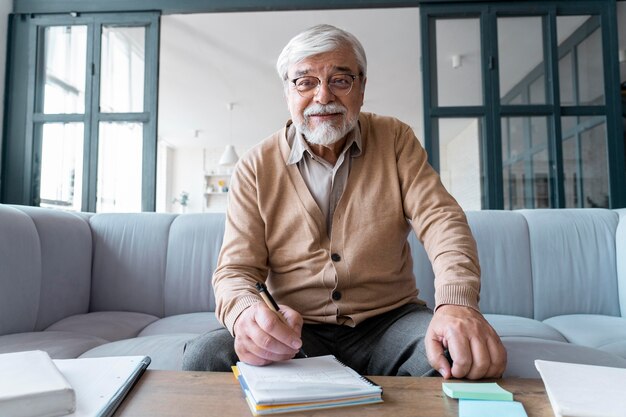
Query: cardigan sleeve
x,y
243,259
440,224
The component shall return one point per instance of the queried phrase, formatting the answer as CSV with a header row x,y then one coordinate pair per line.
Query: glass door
x,y
518,109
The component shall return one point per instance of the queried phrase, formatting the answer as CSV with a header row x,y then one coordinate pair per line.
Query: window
x,y
89,142
536,86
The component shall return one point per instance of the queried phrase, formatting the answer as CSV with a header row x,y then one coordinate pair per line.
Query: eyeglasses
x,y
339,84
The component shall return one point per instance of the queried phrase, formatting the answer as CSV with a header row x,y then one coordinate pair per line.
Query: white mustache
x,y
318,109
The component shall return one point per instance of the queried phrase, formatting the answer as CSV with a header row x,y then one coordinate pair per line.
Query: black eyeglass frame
x,y
319,83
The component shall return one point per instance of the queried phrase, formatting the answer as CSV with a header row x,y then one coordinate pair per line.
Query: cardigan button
x,y
336,295
335,257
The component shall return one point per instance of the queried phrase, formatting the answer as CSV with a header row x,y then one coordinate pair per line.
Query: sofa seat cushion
x,y
198,323
166,351
591,330
616,348
514,326
523,351
108,325
59,345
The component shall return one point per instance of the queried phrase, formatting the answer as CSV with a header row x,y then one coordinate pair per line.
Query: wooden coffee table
x,y
189,394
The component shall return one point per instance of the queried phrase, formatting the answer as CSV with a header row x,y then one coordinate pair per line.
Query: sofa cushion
x,y
423,271
573,261
129,256
504,253
617,348
198,323
514,326
193,247
590,330
108,325
20,271
166,351
65,240
59,345
523,351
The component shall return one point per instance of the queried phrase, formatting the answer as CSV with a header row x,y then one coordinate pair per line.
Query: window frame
x,y
22,153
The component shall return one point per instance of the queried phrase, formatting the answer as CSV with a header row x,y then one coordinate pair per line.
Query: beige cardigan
x,y
276,232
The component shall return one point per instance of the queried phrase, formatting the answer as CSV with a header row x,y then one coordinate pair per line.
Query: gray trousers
x,y
389,344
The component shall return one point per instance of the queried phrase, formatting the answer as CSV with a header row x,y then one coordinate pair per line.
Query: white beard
x,y
326,133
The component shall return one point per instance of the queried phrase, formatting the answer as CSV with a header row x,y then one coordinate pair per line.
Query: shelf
x,y
215,201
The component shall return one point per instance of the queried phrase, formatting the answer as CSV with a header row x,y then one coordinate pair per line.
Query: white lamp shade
x,y
229,157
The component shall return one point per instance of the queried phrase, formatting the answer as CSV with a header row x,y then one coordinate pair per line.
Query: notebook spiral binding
x,y
363,377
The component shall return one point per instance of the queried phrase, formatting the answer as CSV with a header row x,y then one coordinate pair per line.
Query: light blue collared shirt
x,y
325,181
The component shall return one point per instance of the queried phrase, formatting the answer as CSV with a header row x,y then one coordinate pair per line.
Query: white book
x,y
32,386
577,390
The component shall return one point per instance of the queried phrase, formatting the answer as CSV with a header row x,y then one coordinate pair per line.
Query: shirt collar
x,y
299,145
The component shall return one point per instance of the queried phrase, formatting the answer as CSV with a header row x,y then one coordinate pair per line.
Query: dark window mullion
x,y
87,149
149,169
458,111
58,118
142,117
493,195
555,143
429,70
614,128
94,117
32,136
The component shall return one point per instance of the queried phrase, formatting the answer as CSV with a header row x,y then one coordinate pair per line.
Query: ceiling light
x,y
229,157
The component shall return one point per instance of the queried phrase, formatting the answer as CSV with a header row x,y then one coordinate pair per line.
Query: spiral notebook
x,y
304,384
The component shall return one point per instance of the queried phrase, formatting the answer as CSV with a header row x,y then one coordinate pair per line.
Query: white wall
x,y
187,168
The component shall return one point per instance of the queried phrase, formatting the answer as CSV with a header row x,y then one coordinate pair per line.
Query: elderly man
x,y
320,212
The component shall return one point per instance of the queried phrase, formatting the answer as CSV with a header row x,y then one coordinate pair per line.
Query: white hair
x,y
317,40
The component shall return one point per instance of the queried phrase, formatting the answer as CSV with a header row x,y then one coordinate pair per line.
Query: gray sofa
x,y
88,285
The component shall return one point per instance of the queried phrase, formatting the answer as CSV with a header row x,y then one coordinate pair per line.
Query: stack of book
x,y
304,384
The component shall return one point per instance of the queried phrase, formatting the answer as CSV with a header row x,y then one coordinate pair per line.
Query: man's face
x,y
325,118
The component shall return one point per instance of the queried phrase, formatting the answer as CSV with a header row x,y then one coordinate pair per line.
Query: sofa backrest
x,y
573,261
53,264
504,255
155,263
194,245
129,258
45,267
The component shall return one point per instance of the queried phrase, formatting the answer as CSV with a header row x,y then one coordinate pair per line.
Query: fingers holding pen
x,y
262,337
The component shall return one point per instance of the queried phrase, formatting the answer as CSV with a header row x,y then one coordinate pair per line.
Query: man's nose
x,y
323,94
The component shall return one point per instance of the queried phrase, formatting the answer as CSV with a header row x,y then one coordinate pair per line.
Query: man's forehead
x,y
339,60
310,70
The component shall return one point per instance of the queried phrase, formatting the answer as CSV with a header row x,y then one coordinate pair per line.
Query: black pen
x,y
269,300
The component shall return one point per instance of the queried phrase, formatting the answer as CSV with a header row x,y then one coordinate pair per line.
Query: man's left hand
x,y
474,346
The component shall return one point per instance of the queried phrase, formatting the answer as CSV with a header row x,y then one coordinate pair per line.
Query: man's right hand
x,y
261,337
